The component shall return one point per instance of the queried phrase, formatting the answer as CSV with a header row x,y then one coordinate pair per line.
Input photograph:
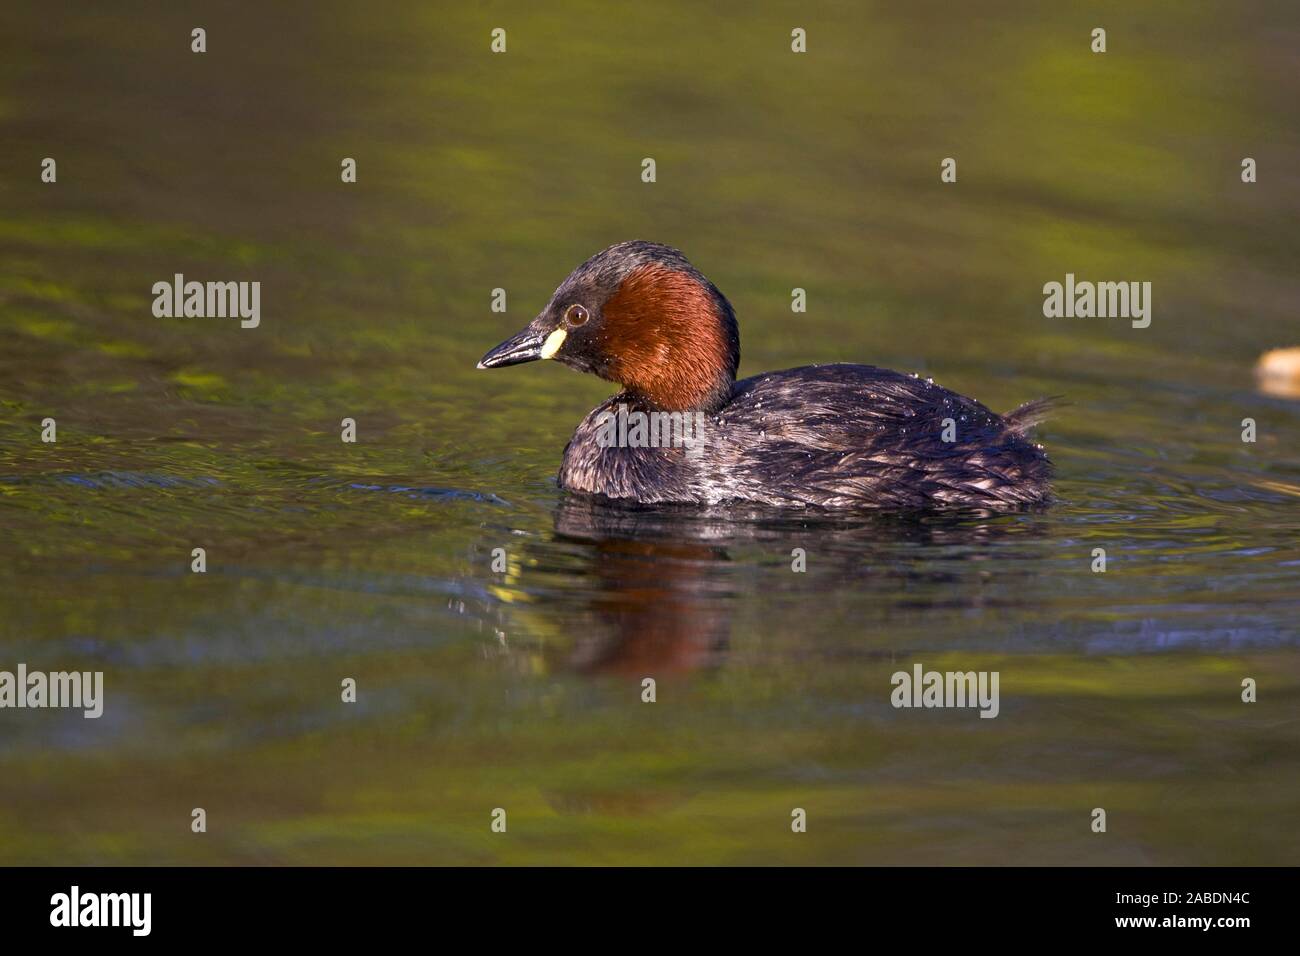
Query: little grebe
x,y
832,436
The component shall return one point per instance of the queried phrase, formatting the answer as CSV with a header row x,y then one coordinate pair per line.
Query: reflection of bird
x,y
656,612
658,607
838,436
666,587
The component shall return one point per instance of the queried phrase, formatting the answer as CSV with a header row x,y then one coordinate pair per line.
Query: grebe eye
x,y
577,315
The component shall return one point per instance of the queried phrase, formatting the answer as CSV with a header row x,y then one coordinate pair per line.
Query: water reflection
x,y
663,583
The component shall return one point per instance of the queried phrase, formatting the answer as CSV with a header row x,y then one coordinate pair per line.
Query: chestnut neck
x,y
674,340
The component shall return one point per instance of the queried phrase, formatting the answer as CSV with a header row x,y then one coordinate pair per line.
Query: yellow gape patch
x,y
553,343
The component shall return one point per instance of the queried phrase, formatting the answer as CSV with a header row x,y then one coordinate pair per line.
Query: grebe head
x,y
641,315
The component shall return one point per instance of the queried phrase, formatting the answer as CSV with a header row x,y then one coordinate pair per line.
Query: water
x,y
522,690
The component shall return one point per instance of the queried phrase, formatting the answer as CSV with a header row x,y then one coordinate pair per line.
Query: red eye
x,y
576,315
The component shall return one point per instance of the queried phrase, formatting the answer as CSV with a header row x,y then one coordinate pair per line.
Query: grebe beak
x,y
528,346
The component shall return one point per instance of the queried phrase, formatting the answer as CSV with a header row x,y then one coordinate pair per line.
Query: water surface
x,y
522,689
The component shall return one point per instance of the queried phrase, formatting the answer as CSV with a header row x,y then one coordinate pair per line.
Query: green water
x,y
522,690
